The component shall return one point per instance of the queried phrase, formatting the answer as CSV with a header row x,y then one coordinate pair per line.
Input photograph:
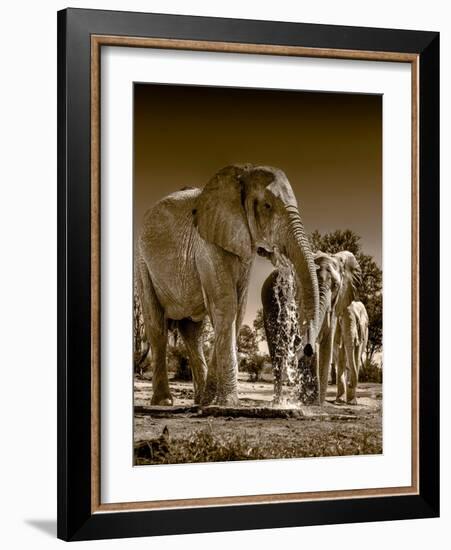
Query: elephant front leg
x,y
218,274
340,366
221,383
211,385
324,362
352,376
226,365
350,345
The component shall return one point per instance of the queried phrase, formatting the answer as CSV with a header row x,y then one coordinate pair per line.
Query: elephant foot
x,y
277,400
207,398
197,399
230,400
352,401
339,401
201,398
208,394
162,400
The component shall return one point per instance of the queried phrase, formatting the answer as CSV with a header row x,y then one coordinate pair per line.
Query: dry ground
x,y
254,433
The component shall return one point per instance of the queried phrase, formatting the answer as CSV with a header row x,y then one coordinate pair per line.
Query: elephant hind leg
x,y
157,332
192,336
340,367
211,384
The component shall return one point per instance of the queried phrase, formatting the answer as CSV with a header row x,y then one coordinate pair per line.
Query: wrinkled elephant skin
x,y
195,253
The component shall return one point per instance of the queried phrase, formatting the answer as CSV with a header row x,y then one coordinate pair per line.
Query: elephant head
x,y
247,209
339,276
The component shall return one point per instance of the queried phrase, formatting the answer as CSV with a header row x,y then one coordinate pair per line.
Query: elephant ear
x,y
220,216
352,272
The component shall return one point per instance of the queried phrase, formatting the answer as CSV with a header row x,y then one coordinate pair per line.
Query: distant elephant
x,y
195,253
351,339
339,276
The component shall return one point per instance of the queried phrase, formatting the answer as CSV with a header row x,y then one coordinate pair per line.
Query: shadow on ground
x,y
46,526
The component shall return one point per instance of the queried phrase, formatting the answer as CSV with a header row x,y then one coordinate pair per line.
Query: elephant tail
x,y
141,340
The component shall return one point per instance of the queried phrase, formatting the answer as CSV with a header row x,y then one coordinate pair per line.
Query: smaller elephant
x,y
351,339
339,276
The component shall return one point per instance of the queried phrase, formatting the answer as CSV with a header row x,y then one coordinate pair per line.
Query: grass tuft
x,y
206,446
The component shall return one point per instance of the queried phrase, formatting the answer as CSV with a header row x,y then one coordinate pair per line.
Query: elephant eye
x,y
267,205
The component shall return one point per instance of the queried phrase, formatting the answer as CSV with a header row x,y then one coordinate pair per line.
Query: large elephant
x,y
351,339
339,276
195,254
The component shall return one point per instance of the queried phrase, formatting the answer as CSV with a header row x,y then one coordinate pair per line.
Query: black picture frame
x,y
75,518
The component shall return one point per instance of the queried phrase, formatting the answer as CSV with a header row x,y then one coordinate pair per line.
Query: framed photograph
x,y
248,274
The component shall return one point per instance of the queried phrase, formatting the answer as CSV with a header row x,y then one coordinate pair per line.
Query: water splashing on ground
x,y
300,375
287,332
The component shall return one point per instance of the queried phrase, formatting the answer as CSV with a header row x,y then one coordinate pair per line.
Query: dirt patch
x,y
254,430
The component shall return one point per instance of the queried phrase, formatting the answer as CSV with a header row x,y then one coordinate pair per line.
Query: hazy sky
x,y
329,145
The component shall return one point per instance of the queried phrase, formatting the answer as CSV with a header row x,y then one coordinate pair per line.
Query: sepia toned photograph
x,y
248,269
257,295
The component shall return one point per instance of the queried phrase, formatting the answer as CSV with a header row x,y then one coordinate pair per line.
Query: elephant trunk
x,y
325,296
298,250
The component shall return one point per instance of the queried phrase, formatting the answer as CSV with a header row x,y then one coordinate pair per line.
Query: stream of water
x,y
300,375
